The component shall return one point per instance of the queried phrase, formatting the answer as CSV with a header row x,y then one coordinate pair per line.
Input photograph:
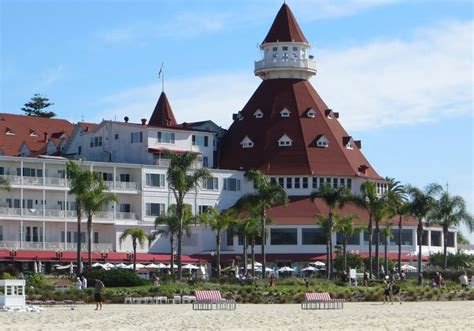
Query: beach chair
x,y
160,300
207,300
321,301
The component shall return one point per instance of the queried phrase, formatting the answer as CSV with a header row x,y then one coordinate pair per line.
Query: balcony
x,y
37,181
127,216
304,64
53,246
129,186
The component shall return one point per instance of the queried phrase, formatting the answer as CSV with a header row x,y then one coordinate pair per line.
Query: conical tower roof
x,y
304,156
163,114
285,28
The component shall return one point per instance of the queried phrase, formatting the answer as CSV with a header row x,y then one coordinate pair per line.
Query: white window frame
x,y
247,142
285,112
258,114
311,113
322,142
285,141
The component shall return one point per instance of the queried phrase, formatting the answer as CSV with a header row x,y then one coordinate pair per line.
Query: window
x,y
79,150
33,234
211,184
125,178
407,237
313,237
166,137
322,143
30,172
246,142
137,137
289,182
283,237
156,180
315,182
284,141
297,182
116,136
342,182
311,113
95,141
230,237
203,209
83,237
321,181
353,240
285,113
124,208
200,140
96,237
436,238
1,233
349,183
205,162
275,54
231,184
334,182
305,182
258,113
450,239
281,181
155,209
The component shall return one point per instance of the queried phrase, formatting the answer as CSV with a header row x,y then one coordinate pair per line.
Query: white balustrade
x,y
54,246
300,63
4,211
126,216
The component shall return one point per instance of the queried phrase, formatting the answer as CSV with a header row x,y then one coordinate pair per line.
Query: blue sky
x,y
399,72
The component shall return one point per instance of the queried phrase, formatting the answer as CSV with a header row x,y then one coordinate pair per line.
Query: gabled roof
x,y
163,114
46,128
285,28
303,157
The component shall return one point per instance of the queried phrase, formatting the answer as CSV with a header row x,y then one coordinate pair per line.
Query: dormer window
x,y
258,113
285,113
33,133
322,142
348,142
9,132
285,141
311,113
246,142
329,113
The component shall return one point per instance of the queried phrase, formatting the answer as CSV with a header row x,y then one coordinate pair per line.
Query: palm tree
x,y
328,229
219,222
450,211
138,236
345,226
369,201
387,234
381,212
267,194
253,232
96,199
397,201
4,184
421,204
171,227
181,180
79,183
334,198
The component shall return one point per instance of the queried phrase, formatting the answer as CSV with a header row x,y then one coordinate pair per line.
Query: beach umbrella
x,y
407,267
152,266
122,266
286,269
161,266
168,266
312,269
40,267
190,267
318,264
138,266
109,266
266,269
71,269
97,265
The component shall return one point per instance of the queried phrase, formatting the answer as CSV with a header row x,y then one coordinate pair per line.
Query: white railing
x,y
10,211
37,181
53,246
13,180
52,181
52,213
109,215
163,162
126,185
126,216
290,64
32,212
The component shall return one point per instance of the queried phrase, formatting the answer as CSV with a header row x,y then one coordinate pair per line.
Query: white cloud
x,y
374,85
50,77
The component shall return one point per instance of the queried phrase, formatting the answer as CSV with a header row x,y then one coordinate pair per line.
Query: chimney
x,y
143,121
125,119
46,137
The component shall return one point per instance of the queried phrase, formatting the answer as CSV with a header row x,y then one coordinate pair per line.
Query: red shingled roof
x,y
30,130
163,114
303,157
285,28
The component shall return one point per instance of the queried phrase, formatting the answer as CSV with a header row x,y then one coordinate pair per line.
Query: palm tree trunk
x,y
330,257
420,239
89,241
134,243
377,237
264,258
344,252
179,212
252,248
79,220
445,248
370,246
172,253
400,244
245,254
327,257
218,249
385,262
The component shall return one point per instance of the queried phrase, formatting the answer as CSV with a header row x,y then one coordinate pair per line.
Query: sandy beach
x,y
355,316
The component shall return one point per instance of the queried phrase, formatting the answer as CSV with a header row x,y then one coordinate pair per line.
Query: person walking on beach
x,y
78,283
84,282
99,286
463,280
386,292
366,277
395,293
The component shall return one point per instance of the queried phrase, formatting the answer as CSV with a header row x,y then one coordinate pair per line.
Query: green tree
x,y
4,184
334,198
461,239
37,105
450,211
253,232
345,226
266,194
421,204
96,199
182,179
369,201
380,213
397,202
79,184
387,234
219,222
138,236
168,226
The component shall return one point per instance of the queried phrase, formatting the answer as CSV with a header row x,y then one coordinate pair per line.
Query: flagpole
x,y
162,72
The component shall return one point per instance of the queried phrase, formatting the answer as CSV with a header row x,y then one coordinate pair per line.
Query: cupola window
x,y
246,142
285,141
322,142
258,113
285,113
330,114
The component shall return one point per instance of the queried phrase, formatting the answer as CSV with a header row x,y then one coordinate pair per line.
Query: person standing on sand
x,y
463,280
84,282
395,292
99,286
366,277
386,292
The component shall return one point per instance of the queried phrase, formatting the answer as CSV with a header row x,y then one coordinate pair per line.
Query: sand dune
x,y
354,316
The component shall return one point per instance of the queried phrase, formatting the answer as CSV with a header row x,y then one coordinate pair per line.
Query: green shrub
x,y
114,278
